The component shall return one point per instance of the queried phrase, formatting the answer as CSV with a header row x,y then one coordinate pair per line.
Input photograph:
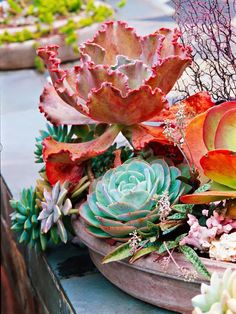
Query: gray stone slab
x,y
88,290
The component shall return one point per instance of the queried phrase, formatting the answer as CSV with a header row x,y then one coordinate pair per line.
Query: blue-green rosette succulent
x,y
125,198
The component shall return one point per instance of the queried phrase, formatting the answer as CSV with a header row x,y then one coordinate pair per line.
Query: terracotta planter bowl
x,y
145,279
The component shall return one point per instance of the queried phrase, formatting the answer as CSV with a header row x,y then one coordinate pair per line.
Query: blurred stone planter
x,y
145,279
22,55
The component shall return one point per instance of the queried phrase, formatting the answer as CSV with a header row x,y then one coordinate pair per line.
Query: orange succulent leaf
x,y
225,136
117,38
208,197
64,170
144,134
212,120
79,152
167,73
63,160
109,106
194,146
193,105
59,112
220,166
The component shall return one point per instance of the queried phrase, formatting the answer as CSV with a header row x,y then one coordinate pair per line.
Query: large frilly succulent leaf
x,y
64,160
144,134
57,111
213,129
128,110
225,136
114,75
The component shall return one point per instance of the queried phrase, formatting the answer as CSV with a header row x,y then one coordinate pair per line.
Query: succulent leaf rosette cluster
x,y
55,206
125,198
219,297
122,80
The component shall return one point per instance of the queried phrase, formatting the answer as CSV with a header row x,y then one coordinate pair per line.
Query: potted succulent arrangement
x,y
26,25
149,187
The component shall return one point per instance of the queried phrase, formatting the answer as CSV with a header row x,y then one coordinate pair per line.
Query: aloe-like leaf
x,y
121,252
14,204
34,219
144,251
172,228
27,224
192,257
35,233
20,218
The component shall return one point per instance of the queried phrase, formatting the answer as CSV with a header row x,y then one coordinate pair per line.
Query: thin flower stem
x,y
80,190
170,255
73,211
190,153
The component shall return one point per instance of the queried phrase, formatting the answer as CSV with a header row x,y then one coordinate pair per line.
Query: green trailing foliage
x,y
192,257
25,220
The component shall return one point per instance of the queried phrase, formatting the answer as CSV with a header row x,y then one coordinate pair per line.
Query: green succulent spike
x,y
25,220
123,199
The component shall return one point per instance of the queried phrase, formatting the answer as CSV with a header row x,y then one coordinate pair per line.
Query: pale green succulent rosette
x,y
219,297
125,198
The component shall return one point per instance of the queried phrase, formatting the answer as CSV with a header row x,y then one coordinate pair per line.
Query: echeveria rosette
x,y
55,206
219,297
211,138
123,199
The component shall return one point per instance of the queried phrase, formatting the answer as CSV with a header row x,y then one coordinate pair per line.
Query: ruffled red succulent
x,y
122,80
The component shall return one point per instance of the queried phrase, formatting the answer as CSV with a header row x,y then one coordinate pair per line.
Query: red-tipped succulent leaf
x,y
64,160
